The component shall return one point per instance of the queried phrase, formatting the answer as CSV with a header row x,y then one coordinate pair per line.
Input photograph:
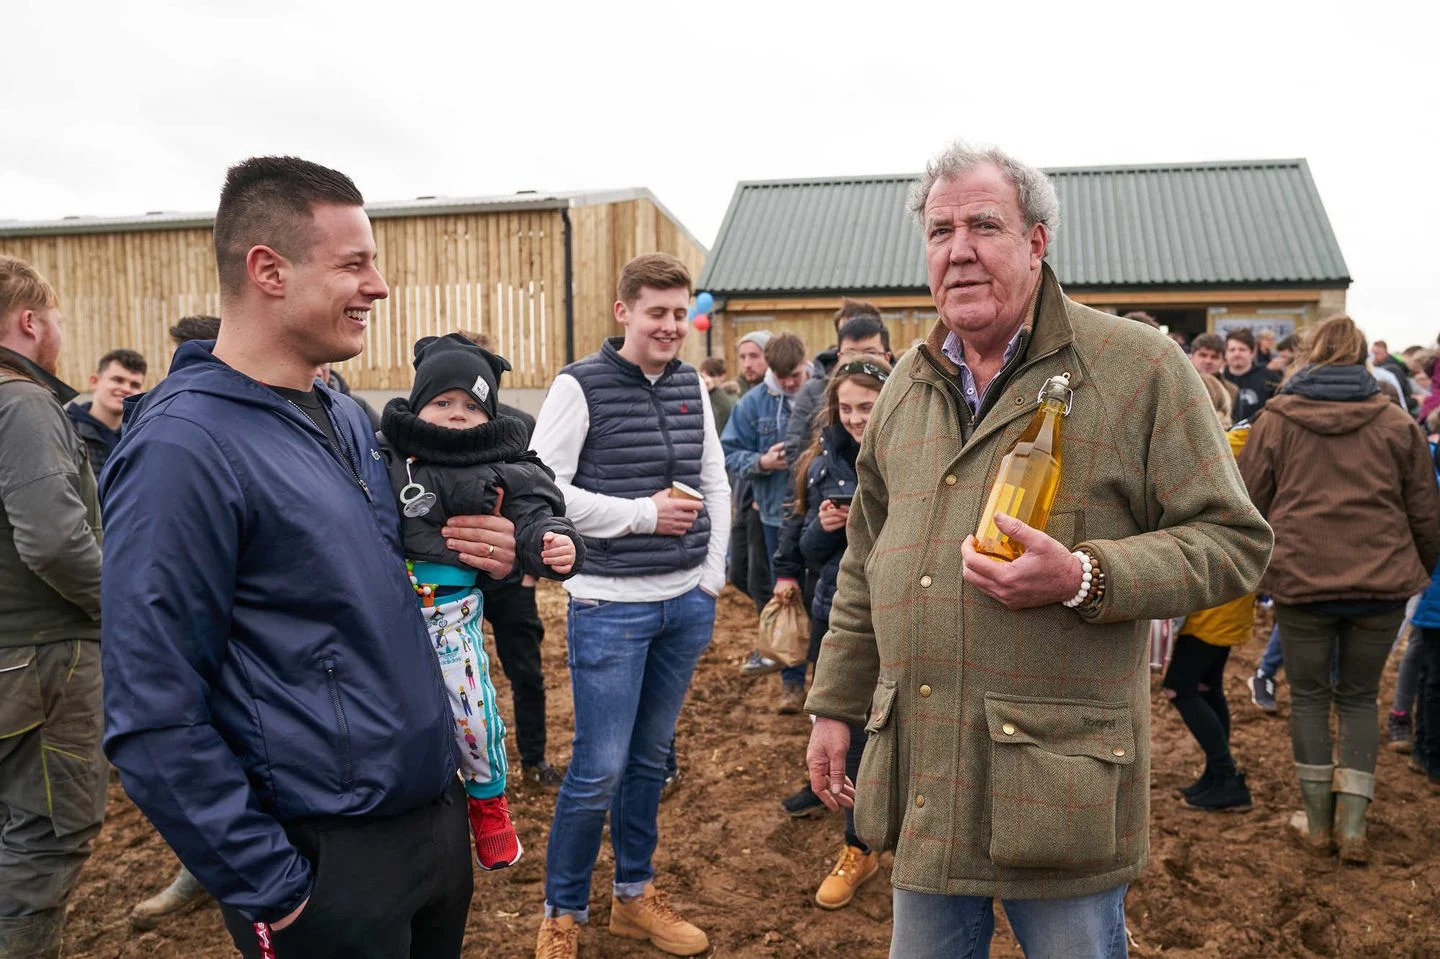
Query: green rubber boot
x,y
1313,824
1353,792
36,936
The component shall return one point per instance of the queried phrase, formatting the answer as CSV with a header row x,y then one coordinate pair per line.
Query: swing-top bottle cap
x,y
1056,388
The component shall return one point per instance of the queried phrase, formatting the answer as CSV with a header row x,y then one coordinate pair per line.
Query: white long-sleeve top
x,y
560,432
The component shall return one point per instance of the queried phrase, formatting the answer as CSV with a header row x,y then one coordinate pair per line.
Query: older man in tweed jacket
x,y
1009,733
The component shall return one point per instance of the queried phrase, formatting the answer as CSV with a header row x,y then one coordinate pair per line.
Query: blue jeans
x,y
772,543
931,926
630,667
1274,656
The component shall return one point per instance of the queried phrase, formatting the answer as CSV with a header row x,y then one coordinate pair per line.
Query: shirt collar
x,y
955,350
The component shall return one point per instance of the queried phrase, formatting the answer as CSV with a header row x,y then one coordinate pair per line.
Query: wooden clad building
x,y
1200,246
536,272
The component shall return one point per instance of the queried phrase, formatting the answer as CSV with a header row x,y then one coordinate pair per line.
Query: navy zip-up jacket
x,y
264,657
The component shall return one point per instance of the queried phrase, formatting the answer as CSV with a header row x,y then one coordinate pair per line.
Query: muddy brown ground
x,y
1217,885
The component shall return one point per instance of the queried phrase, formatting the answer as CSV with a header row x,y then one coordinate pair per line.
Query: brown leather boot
x,y
651,917
852,870
559,938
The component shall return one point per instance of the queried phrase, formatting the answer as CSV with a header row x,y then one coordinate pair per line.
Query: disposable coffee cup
x,y
681,491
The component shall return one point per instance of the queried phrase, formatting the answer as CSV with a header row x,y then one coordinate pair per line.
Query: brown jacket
x,y
1009,752
1350,489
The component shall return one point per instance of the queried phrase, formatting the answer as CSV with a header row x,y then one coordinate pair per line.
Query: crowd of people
x,y
286,594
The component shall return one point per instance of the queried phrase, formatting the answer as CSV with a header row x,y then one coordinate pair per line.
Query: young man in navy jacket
x,y
271,699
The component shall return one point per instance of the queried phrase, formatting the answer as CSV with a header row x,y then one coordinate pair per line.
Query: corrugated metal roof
x,y
420,206
1249,222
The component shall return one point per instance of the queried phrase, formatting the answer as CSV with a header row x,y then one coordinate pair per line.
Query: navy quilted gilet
x,y
642,438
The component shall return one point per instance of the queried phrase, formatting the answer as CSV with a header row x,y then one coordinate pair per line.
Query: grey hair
x,y
1038,202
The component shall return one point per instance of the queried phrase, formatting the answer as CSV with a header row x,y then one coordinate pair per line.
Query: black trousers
x,y
1427,703
1196,676
749,557
511,612
394,887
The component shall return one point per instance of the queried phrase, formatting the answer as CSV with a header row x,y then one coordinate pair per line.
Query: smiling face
x,y
111,385
855,401
983,262
454,410
329,294
656,324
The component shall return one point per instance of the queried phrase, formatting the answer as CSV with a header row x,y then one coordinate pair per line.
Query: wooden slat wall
x,y
501,273
122,290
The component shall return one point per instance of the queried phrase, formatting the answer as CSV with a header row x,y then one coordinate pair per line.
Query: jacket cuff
x,y
1096,614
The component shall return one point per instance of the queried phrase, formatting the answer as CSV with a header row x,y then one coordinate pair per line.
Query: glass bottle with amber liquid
x,y
1029,475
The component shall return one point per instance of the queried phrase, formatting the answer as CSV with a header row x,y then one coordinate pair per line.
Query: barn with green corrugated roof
x,y
1199,246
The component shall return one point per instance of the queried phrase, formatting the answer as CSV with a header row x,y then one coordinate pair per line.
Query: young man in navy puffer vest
x,y
621,428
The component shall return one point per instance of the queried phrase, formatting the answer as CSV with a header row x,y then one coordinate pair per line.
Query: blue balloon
x,y
692,313
704,303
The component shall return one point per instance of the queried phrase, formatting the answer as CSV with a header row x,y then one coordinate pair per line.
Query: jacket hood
x,y
1328,417
80,413
825,361
196,370
502,440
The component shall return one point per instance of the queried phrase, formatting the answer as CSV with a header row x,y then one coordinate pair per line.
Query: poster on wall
x,y
1279,320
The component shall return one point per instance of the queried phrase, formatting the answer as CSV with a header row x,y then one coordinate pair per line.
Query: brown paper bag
x,y
785,629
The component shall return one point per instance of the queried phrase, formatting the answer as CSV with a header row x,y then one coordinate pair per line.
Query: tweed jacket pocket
x,y
1055,769
877,787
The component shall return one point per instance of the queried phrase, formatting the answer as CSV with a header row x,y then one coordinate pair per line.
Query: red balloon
x,y
702,322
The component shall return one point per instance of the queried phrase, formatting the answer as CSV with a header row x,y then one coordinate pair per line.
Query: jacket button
x,y
1008,729
1118,752
924,691
950,480
1019,400
919,801
925,582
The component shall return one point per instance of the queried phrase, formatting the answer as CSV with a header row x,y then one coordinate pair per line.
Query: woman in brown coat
x,y
1344,476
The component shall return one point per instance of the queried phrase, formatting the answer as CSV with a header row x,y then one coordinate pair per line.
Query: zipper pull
x,y
365,488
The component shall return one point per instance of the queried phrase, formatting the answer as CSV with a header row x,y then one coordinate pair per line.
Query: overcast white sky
x,y
127,107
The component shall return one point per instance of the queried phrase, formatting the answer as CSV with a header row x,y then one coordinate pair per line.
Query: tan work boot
x,y
852,869
559,938
651,917
184,890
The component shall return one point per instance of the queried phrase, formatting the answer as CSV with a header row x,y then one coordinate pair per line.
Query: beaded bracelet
x,y
1092,582
1086,578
